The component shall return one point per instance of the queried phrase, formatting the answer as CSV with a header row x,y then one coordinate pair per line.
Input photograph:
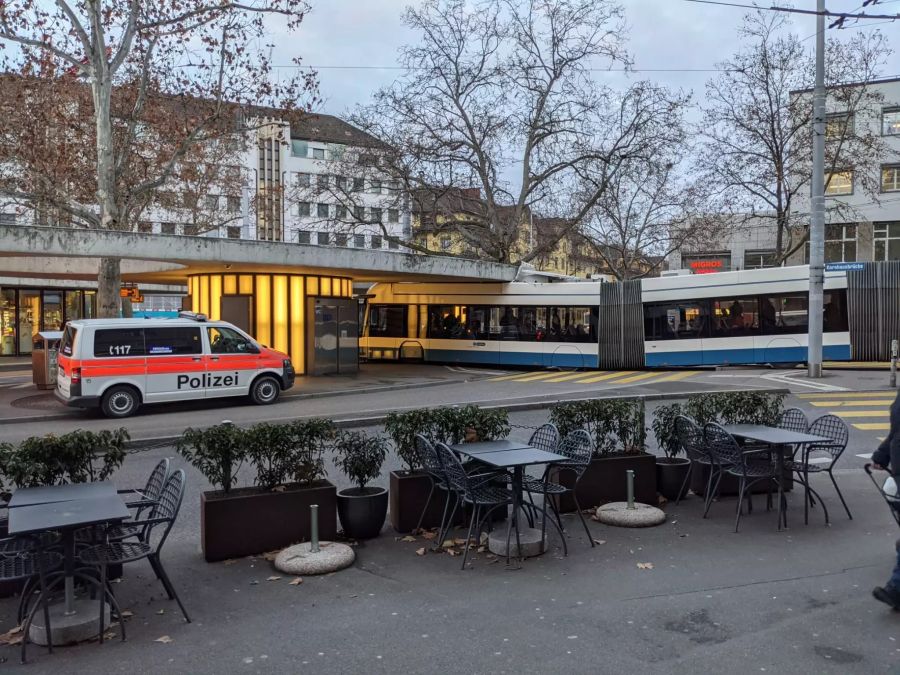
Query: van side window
x,y
119,342
227,341
173,341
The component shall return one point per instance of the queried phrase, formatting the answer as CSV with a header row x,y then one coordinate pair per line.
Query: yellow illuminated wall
x,y
278,304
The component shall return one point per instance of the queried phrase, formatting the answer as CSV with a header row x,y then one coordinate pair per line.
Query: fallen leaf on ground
x,y
452,552
273,578
230,561
661,500
408,538
600,541
162,611
481,549
271,555
483,540
12,637
459,542
127,614
645,566
420,551
278,488
448,543
165,639
429,535
296,581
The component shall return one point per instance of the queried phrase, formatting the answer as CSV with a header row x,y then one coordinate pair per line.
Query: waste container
x,y
44,358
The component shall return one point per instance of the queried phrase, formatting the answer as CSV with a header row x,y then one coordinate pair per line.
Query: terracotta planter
x,y
408,493
249,521
605,481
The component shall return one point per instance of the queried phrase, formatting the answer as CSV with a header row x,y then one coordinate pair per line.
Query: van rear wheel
x,y
265,390
120,401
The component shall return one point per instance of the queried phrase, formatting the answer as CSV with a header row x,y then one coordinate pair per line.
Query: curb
x,y
371,420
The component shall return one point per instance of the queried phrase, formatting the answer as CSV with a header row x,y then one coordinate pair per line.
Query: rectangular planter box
x,y
729,485
248,521
408,491
605,481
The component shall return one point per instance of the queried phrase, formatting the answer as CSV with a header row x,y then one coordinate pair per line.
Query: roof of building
x,y
329,129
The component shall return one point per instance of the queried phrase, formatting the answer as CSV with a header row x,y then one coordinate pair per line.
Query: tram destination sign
x,y
844,266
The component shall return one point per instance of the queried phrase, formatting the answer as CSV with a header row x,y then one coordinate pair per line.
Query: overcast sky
x,y
663,34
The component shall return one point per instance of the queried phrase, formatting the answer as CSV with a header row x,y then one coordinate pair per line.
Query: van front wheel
x,y
265,390
120,401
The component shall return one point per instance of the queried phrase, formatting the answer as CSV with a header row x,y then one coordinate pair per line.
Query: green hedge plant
x,y
360,456
664,428
616,425
217,452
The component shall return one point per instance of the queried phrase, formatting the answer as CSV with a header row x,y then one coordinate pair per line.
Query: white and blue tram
x,y
747,317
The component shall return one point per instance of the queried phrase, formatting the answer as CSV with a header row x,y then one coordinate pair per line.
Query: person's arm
x,y
887,455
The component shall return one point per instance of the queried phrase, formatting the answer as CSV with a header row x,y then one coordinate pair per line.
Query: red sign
x,y
705,266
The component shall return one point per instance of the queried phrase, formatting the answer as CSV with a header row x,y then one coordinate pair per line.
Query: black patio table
x,y
481,447
65,517
516,459
47,494
779,439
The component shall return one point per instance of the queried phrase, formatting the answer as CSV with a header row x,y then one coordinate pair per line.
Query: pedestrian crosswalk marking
x,y
568,376
679,376
606,376
873,426
863,413
637,378
530,377
843,404
614,377
850,394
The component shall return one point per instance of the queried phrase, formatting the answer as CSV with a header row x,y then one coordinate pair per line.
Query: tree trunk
x,y
109,280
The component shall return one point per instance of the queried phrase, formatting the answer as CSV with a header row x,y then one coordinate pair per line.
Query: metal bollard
x,y
894,349
314,528
629,477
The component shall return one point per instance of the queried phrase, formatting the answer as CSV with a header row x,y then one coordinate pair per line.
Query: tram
x,y
727,318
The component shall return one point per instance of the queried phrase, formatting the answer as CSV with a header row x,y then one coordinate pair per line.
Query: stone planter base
x,y
605,481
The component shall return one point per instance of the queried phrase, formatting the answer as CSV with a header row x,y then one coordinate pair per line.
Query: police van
x,y
120,364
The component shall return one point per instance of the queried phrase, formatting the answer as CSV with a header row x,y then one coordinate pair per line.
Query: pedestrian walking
x,y
887,457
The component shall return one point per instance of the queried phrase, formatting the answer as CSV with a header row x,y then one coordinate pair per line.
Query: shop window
x,y
29,318
8,322
73,305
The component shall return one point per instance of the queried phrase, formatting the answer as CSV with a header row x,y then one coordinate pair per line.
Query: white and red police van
x,y
120,364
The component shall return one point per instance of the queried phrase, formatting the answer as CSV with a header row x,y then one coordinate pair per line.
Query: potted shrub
x,y
671,470
617,428
362,509
274,511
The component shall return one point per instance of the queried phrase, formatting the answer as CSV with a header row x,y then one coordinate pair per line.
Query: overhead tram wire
x,y
840,16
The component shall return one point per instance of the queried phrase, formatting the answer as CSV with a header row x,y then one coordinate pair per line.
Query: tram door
x,y
332,336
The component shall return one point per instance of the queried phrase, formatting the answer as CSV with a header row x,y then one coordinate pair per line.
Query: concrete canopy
x,y
180,256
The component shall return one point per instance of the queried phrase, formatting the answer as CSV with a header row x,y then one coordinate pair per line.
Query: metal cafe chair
x,y
833,427
794,419
431,461
693,442
545,437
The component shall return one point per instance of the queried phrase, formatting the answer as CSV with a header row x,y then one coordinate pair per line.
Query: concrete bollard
x,y
894,350
629,477
314,528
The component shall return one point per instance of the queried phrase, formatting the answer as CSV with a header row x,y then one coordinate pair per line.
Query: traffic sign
x,y
844,266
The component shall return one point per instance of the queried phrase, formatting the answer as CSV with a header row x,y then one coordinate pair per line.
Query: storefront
x,y
25,311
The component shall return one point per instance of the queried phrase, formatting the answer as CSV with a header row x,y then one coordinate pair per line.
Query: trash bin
x,y
44,358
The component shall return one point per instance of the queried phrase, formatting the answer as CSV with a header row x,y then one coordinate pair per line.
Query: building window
x,y
359,240
838,125
376,214
890,177
340,182
191,230
323,238
839,183
189,200
212,202
167,228
375,187
322,210
393,216
359,184
234,232
299,148
318,153
376,241
393,245
340,239
322,181
890,122
7,218
304,209
340,212
840,242
446,242
359,213
233,203
887,241
145,227
303,237
302,179
755,260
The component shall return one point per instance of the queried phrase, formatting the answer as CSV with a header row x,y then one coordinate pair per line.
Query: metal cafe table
x,y
506,454
781,440
65,509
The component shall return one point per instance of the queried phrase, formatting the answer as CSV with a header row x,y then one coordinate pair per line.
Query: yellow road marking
x,y
507,377
843,404
874,426
544,375
638,377
864,413
679,376
572,376
849,394
606,376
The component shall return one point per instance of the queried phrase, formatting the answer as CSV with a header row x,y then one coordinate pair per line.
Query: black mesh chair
x,y
794,419
154,531
829,426
749,466
477,491
431,461
693,442
23,558
546,437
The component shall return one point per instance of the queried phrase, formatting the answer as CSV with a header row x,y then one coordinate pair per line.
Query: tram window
x,y
733,317
572,324
510,322
446,321
479,323
676,321
783,314
532,323
387,321
835,315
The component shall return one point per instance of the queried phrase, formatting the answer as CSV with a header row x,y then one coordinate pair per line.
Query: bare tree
x,y
500,98
757,124
162,79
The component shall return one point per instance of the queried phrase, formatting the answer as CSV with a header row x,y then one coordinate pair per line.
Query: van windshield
x,y
67,344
